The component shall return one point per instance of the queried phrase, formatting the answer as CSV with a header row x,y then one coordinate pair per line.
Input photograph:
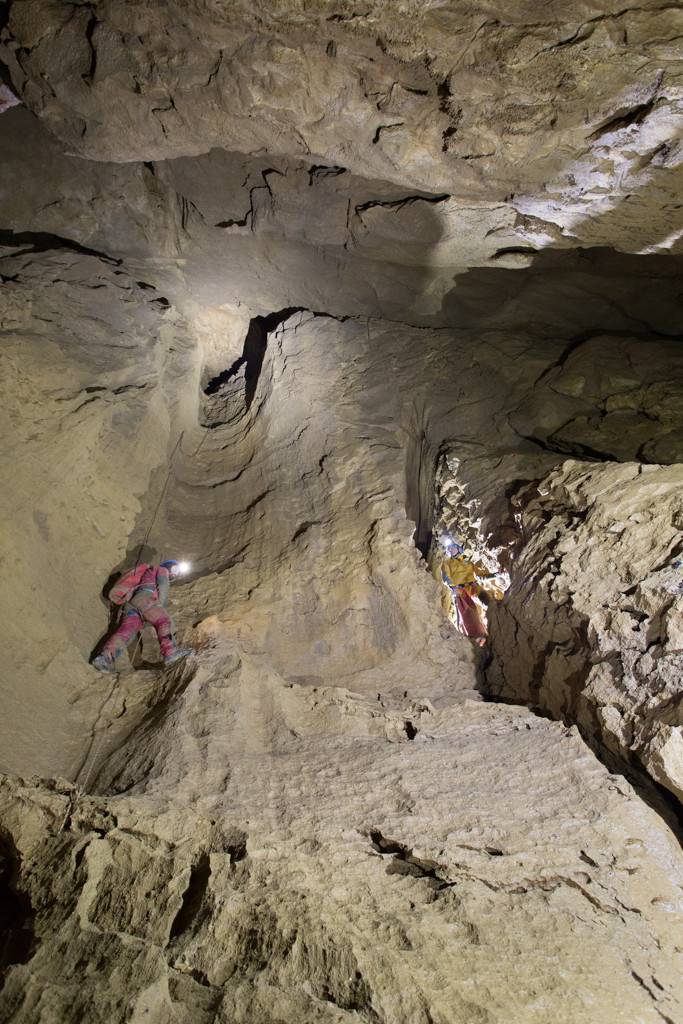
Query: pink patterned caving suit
x,y
148,604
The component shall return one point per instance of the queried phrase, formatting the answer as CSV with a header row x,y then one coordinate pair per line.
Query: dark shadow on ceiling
x,y
569,291
42,241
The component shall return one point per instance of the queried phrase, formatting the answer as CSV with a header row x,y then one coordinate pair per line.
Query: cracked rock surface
x,y
343,875
318,805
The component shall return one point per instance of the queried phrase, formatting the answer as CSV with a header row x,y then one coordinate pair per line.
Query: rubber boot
x,y
103,663
177,655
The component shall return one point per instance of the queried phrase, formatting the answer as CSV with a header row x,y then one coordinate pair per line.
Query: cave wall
x,y
91,365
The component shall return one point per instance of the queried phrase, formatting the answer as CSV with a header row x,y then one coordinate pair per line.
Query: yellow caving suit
x,y
475,579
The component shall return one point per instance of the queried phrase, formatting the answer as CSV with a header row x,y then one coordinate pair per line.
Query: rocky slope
x,y
343,872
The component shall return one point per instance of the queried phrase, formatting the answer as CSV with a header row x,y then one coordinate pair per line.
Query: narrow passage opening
x,y
16,914
471,574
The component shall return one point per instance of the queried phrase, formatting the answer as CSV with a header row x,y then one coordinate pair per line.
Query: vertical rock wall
x,y
94,366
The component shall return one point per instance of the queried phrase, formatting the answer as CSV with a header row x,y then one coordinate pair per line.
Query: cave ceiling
x,y
384,148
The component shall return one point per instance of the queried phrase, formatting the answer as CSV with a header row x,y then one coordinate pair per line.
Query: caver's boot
x,y
177,655
103,662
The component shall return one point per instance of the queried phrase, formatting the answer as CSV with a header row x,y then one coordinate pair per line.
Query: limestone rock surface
x,y
83,377
609,655
344,872
292,291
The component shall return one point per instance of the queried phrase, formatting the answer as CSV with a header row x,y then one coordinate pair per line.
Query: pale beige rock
x,y
320,815
325,647
90,366
337,874
590,627
569,115
266,233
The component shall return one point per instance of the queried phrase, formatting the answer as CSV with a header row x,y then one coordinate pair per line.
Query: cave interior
x,y
294,293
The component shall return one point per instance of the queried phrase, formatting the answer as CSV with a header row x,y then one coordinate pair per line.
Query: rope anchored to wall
x,y
95,748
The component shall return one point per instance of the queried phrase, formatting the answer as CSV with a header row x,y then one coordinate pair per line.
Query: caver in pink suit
x,y
146,605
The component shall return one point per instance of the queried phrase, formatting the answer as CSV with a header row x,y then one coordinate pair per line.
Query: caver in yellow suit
x,y
470,587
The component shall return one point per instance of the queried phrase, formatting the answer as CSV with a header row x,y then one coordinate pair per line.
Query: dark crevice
x,y
345,17
581,452
257,500
193,896
444,94
636,115
404,862
222,566
398,204
446,135
303,528
232,223
248,219
383,127
16,913
41,241
523,250
253,354
269,323
89,32
222,378
318,171
128,387
5,77
661,800
421,466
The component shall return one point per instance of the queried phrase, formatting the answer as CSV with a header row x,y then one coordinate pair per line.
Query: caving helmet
x,y
173,567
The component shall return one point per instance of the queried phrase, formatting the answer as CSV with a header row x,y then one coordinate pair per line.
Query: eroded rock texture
x,y
293,293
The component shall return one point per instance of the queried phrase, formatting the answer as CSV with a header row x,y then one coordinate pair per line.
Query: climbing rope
x,y
178,446
161,498
93,753
79,792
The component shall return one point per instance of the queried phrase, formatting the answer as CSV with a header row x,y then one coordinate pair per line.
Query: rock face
x,y
447,97
345,873
291,294
611,659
